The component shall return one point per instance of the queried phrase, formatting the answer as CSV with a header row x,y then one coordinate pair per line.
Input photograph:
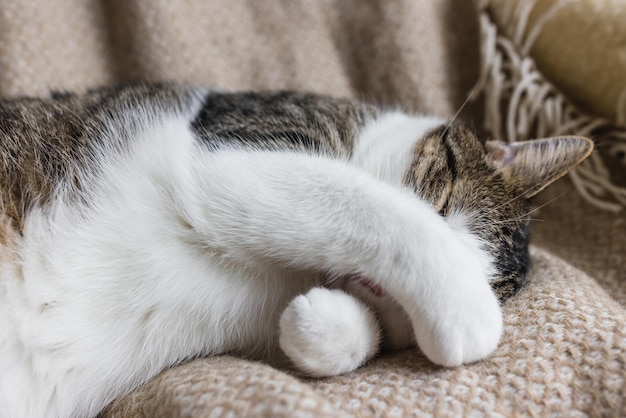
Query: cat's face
x,y
463,184
484,188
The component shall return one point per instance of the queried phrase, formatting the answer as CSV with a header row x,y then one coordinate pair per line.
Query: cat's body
x,y
145,225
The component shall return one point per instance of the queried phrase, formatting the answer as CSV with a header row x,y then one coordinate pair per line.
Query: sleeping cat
x,y
145,225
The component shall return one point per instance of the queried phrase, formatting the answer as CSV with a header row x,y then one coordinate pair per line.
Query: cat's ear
x,y
535,164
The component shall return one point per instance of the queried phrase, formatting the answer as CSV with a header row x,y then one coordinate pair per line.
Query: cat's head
x,y
487,188
482,187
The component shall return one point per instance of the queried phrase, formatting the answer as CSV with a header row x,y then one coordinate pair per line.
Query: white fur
x,y
184,252
328,332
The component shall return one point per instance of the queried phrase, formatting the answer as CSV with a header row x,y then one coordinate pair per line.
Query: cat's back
x,y
53,142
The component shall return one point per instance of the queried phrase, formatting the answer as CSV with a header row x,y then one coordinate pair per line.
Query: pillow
x,y
537,76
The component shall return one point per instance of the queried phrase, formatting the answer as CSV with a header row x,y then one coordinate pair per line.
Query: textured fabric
x,y
590,239
401,55
225,386
564,347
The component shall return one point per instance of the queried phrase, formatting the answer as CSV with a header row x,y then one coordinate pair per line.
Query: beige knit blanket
x,y
564,346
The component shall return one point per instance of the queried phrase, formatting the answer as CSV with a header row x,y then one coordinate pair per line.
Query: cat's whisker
x,y
523,217
536,220
494,209
517,219
445,131
545,204
522,194
483,216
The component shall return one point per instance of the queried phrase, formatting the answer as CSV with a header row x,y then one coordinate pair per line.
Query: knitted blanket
x,y
564,346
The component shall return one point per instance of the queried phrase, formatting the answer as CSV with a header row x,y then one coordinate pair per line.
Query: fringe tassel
x,y
521,104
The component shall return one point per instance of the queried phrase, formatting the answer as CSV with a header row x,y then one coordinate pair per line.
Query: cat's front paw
x,y
468,335
463,322
328,332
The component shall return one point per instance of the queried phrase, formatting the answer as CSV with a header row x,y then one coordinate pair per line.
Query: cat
x,y
147,224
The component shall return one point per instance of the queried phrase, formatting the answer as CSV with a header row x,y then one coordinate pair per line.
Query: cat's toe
x,y
328,332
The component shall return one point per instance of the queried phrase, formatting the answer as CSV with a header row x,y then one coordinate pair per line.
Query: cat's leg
x,y
312,212
328,332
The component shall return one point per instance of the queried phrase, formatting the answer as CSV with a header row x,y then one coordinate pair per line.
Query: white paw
x,y
328,332
462,321
469,333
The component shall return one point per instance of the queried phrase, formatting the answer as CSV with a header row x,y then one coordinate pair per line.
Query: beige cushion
x,y
581,49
